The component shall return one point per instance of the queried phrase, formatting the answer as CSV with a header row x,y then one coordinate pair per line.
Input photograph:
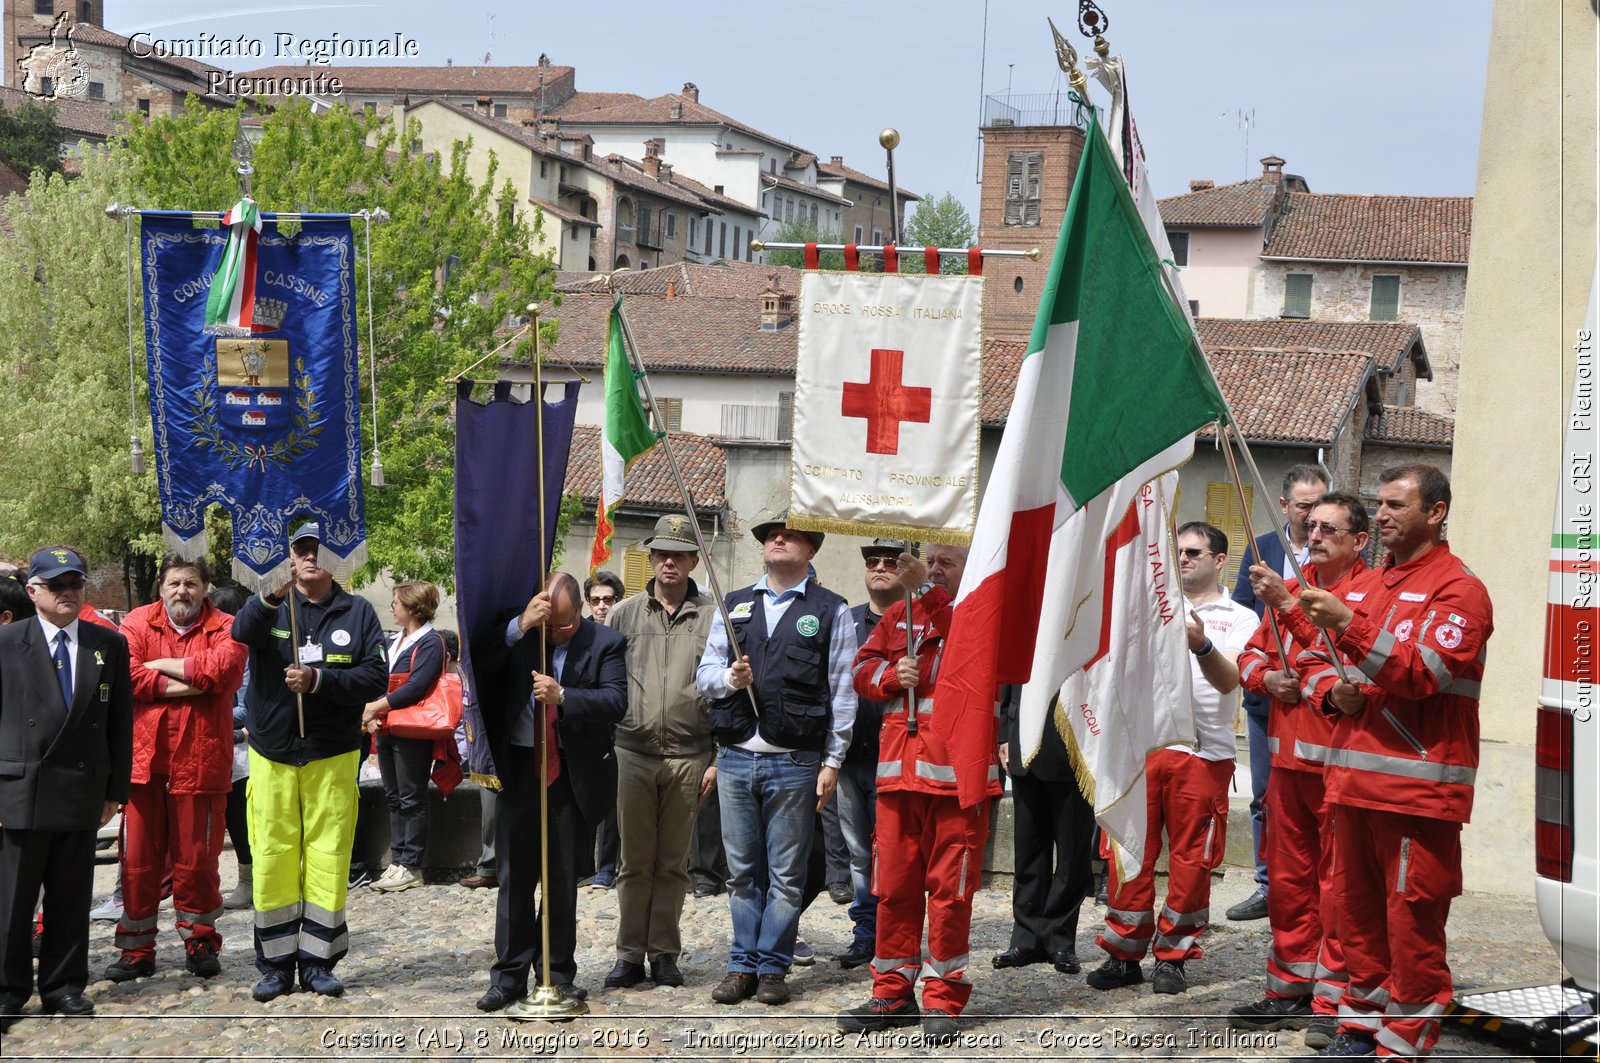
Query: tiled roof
x,y
678,335
631,173
845,173
1411,426
582,102
1389,342
634,110
1431,229
650,483
428,80
695,280
89,120
1243,204
1002,359
570,216
1302,396
88,33
810,190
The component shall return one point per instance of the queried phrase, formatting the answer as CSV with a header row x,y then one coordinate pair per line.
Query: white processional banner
x,y
886,406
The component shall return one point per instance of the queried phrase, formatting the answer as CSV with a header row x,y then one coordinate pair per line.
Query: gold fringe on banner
x,y
940,536
488,782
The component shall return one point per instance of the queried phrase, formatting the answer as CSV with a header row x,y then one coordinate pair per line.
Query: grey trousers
x,y
656,801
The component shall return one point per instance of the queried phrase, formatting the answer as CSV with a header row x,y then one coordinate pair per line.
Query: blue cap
x,y
52,561
309,530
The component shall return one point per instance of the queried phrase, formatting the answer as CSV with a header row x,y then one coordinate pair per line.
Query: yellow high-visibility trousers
x,y
302,826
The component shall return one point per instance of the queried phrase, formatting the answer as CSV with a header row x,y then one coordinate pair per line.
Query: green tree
x,y
450,270
941,222
805,232
29,137
64,359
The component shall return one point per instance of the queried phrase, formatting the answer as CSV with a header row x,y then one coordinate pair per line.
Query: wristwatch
x,y
1205,648
561,695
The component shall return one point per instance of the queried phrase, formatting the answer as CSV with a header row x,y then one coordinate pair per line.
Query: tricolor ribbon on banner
x,y
230,307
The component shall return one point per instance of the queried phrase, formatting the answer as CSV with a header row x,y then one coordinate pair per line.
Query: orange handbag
x,y
439,712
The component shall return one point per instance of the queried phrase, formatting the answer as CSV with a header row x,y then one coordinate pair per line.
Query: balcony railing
x,y
1031,109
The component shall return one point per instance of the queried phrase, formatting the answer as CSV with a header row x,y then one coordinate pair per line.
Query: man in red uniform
x,y
1400,772
1305,969
927,845
186,668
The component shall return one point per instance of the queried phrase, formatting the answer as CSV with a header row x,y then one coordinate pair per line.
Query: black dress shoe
x,y
625,975
1066,961
706,888
496,998
571,992
1019,957
664,971
68,1004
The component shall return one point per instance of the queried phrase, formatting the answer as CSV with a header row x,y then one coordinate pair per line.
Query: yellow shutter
x,y
635,569
1222,509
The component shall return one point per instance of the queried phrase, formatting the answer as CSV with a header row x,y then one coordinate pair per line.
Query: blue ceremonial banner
x,y
268,424
498,563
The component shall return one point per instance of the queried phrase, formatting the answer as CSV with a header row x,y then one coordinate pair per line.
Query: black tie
x,y
63,667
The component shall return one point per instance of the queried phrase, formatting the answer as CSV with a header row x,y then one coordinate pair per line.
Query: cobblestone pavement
x,y
419,959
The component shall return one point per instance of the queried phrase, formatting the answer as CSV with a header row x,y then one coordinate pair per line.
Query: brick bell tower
x,y
1031,150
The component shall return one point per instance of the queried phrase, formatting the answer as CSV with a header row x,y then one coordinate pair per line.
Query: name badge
x,y
311,653
105,693
1355,596
1412,596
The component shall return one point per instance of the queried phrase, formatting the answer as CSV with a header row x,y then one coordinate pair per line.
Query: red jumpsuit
x,y
1399,777
182,772
925,844
1306,958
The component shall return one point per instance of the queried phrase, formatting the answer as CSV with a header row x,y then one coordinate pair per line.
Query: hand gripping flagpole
x,y
547,1002
683,485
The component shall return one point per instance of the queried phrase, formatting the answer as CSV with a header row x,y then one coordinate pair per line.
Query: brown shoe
x,y
734,988
772,989
479,882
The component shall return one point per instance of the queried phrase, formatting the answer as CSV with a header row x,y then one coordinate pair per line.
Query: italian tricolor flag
x,y
1110,394
230,306
624,439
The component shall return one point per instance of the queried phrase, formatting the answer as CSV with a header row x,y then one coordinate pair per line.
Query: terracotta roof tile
x,y
800,186
1002,359
698,280
1243,204
89,120
658,110
1389,342
1411,426
678,335
650,484
1431,229
1300,396
843,172
582,102
428,80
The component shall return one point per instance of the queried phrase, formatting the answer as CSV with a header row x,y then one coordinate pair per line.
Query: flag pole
x,y
1250,537
683,485
546,1002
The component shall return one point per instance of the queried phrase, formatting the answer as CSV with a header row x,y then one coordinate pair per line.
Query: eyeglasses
x,y
883,562
1324,527
597,599
57,586
1194,553
563,628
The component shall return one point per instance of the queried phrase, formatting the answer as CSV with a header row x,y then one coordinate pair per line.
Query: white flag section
x,y
887,391
1135,694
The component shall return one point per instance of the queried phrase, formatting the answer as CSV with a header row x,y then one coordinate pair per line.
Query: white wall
x,y
1219,274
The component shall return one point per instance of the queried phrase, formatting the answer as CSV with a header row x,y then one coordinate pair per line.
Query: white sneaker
x,y
390,873
110,910
397,877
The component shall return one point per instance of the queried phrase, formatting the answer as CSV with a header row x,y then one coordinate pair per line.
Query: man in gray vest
x,y
782,713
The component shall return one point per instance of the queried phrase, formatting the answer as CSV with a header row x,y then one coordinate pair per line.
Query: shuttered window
x,y
1385,297
635,570
1024,178
1222,509
1297,295
1180,248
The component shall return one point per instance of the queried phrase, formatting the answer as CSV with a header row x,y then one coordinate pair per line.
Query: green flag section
x,y
1138,379
624,439
1109,397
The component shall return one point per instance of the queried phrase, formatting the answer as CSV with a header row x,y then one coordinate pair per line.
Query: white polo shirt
x,y
1229,625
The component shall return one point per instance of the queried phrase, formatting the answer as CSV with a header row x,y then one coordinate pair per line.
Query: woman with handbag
x,y
416,663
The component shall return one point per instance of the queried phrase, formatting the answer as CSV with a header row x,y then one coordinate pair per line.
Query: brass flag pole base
x,y
548,1003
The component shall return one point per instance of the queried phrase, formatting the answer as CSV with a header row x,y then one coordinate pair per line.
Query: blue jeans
x,y
1260,771
857,793
769,803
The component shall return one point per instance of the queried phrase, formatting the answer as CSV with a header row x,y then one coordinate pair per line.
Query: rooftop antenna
x,y
1247,122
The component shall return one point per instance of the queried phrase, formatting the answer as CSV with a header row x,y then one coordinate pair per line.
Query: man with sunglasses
x,y
1302,486
66,721
602,848
1186,788
1305,969
303,794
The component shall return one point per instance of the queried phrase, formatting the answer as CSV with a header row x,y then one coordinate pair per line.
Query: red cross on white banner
x,y
885,402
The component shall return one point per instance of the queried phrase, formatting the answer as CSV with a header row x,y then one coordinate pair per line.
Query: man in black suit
x,y
1302,486
1053,828
585,687
66,729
